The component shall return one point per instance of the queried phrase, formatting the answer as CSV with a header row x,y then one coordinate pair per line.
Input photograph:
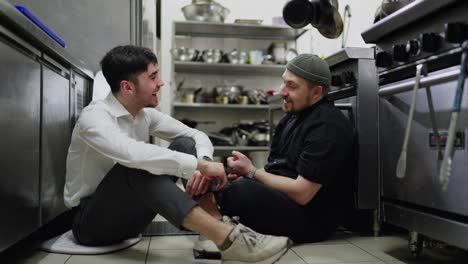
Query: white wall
x,y
362,17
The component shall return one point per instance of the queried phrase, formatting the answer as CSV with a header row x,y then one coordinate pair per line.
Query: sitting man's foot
x,y
205,249
243,245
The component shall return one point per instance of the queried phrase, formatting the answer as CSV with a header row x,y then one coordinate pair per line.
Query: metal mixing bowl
x,y
184,54
208,12
237,57
212,55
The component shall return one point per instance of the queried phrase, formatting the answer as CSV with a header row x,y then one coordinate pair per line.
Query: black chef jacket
x,y
319,144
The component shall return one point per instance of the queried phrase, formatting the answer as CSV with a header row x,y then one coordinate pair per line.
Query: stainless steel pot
x,y
237,57
212,55
184,54
208,11
232,92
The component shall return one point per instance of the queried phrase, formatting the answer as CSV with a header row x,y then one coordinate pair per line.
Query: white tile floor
x,y
343,249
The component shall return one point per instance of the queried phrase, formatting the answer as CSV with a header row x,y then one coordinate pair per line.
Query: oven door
x,y
421,185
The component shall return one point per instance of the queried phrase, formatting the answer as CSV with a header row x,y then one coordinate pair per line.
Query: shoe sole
x,y
273,259
202,254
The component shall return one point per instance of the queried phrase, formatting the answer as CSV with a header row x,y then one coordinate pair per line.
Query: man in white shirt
x,y
117,181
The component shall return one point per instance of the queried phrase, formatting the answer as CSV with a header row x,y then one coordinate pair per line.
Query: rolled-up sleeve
x,y
169,128
100,131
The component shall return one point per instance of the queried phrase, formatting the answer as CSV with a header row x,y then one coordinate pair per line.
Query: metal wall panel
x,y
55,142
421,184
19,144
90,28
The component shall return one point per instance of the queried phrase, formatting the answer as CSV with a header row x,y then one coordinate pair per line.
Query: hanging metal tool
x,y
435,128
346,24
446,168
401,165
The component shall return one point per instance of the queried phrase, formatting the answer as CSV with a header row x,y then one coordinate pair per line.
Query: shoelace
x,y
250,237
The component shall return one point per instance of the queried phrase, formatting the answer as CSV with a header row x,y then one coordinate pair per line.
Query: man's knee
x,y
235,191
185,145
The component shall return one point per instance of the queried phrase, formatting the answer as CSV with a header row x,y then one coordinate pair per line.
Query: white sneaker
x,y
205,249
249,246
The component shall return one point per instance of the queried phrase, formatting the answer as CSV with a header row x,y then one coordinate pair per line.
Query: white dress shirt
x,y
106,134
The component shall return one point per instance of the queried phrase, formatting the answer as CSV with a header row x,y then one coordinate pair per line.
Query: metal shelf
x,y
224,30
226,68
222,106
241,148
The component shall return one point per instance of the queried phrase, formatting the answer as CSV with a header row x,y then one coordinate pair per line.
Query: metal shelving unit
x,y
221,106
220,30
226,68
189,29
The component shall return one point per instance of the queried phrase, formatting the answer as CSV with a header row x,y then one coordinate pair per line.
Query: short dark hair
x,y
124,63
325,87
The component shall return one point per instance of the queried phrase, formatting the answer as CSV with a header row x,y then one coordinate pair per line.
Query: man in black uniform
x,y
305,189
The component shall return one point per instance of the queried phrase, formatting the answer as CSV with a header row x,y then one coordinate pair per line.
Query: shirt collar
x,y
117,109
309,109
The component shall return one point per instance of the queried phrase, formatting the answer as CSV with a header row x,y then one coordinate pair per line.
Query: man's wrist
x,y
202,164
206,158
251,174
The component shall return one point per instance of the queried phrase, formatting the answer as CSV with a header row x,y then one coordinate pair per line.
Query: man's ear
x,y
318,91
126,86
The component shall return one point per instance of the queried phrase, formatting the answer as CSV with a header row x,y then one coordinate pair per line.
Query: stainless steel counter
x,y
13,20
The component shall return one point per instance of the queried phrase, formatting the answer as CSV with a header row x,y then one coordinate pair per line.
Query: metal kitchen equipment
x,y
354,90
321,14
208,11
43,92
431,33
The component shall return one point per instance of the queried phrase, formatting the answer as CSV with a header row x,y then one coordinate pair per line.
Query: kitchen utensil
x,y
208,11
267,59
278,51
212,55
256,96
321,14
184,54
290,54
446,168
401,165
220,139
229,91
432,115
237,57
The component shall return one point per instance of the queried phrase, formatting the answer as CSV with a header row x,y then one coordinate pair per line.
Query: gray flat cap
x,y
310,67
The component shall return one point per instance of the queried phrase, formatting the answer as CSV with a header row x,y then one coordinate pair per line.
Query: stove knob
x,y
413,47
456,32
399,53
383,59
430,42
336,81
348,77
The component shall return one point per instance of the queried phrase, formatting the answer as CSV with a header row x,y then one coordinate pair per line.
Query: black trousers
x,y
127,200
269,211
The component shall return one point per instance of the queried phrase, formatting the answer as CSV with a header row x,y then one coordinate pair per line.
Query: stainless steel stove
x,y
354,90
418,55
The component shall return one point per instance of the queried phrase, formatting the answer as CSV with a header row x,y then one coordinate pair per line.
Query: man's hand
x,y
197,185
239,165
210,170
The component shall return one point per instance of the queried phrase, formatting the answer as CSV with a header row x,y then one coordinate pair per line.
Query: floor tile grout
x,y
368,252
292,249
148,249
69,257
